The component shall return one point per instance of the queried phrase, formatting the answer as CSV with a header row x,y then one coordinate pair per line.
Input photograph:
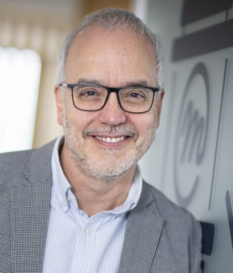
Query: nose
x,y
112,114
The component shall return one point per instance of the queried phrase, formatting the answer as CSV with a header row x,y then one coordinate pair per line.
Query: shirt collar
x,y
63,188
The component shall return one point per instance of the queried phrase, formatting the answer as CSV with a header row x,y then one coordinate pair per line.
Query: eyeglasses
x,y
92,97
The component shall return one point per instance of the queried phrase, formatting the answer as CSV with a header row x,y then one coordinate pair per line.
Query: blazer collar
x,y
30,206
142,235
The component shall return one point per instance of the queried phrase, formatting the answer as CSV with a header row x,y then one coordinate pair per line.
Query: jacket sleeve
x,y
197,256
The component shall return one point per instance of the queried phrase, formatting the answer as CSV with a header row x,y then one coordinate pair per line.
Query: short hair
x,y
112,18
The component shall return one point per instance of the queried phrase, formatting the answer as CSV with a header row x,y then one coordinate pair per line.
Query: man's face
x,y
106,144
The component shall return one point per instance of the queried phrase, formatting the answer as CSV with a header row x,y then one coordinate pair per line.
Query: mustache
x,y
109,130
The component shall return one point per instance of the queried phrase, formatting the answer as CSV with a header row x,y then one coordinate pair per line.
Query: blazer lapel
x,y
30,205
142,235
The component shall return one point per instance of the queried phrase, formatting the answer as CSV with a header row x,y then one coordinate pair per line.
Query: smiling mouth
x,y
111,139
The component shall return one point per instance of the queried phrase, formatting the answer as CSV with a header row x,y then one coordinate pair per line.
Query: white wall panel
x,y
192,162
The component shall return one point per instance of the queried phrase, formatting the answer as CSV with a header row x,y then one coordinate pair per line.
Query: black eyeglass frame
x,y
110,90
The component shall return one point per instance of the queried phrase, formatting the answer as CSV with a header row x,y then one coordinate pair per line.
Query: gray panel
x,y
194,10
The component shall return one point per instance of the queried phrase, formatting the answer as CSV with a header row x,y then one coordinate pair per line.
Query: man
x,y
79,204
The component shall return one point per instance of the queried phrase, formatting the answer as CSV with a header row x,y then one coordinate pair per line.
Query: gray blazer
x,y
160,237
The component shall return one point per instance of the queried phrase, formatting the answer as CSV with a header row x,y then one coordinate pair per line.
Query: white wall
x,y
192,165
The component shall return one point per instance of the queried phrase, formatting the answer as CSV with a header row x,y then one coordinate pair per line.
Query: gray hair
x,y
112,18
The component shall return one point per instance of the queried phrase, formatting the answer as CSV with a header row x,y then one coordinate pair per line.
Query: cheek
x,y
77,120
144,123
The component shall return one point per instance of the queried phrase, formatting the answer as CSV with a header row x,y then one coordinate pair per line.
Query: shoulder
x,y
179,222
12,164
7,158
167,208
180,238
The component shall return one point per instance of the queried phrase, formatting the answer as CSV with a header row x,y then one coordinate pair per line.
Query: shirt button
x,y
88,230
64,206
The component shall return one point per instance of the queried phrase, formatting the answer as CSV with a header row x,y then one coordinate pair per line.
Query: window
x,y
19,84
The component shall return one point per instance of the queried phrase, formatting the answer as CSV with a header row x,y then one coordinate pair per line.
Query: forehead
x,y
111,55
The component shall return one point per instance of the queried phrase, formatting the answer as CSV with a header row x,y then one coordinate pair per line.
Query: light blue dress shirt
x,y
77,243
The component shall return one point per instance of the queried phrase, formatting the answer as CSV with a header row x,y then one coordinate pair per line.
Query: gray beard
x,y
113,168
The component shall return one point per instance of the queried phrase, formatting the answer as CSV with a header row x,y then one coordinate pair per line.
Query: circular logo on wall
x,y
191,134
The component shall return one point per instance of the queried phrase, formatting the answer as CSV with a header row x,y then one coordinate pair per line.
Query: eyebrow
x,y
130,83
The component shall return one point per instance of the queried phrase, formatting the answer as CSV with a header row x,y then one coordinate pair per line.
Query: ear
x,y
59,103
159,106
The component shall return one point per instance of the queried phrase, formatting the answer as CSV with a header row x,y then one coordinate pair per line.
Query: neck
x,y
92,195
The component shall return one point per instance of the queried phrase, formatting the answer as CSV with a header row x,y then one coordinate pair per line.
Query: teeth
x,y
110,139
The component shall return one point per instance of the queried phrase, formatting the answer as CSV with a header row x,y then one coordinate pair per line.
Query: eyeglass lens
x,y
132,99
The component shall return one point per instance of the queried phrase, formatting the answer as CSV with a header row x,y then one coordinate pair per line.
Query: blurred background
x,y
31,34
192,154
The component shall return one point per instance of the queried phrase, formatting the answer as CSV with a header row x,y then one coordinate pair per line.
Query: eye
x,y
88,93
136,95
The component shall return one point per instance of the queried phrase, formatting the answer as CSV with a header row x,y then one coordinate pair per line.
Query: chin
x,y
107,168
